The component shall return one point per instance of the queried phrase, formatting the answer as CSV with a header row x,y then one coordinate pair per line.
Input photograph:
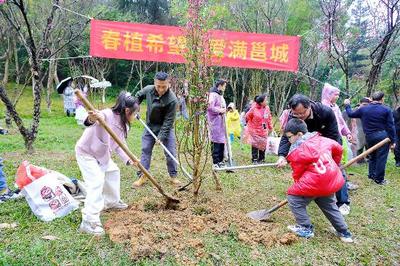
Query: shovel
x,y
170,201
242,167
265,215
168,152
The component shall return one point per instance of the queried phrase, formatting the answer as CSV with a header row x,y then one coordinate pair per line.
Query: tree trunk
x,y
103,95
379,54
8,120
35,54
33,87
55,75
6,68
36,108
13,113
5,80
29,140
17,70
130,76
49,88
50,83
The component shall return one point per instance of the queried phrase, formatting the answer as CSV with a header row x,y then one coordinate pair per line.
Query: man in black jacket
x,y
396,116
160,118
319,118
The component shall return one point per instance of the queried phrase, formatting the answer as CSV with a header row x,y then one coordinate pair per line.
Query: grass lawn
x,y
374,217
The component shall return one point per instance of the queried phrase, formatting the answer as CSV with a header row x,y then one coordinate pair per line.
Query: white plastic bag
x,y
273,144
48,199
80,115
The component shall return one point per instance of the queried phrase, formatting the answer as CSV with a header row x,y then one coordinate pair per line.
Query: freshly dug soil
x,y
151,230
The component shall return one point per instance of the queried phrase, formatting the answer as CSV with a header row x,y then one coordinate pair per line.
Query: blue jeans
x,y
147,149
378,159
342,195
3,183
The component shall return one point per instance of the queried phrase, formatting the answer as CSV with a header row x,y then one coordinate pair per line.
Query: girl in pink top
x,y
93,154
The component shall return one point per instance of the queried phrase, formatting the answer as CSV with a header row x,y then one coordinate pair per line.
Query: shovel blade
x,y
260,215
171,203
172,200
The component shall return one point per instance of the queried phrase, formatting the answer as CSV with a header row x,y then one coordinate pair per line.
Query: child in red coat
x,y
314,160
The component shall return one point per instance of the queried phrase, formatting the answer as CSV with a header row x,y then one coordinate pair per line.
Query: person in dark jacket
x,y
318,118
160,118
396,117
377,122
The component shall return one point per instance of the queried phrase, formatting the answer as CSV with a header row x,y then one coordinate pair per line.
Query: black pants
x,y
257,155
397,150
377,160
217,150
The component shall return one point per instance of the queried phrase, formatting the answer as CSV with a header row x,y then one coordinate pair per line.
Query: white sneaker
x,y
344,209
91,228
346,237
301,231
352,186
120,205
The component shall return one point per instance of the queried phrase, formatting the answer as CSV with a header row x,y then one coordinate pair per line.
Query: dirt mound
x,y
151,230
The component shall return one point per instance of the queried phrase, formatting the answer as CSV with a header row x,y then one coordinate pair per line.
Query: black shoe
x,y
9,195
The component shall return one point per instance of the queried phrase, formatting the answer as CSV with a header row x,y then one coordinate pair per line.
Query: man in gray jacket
x,y
160,118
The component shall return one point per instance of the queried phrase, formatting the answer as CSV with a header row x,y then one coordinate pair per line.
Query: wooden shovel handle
x,y
367,152
103,123
277,206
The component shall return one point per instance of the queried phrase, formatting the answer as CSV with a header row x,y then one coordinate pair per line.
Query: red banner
x,y
146,42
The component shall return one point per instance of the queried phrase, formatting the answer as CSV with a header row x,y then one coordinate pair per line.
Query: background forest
x,y
350,44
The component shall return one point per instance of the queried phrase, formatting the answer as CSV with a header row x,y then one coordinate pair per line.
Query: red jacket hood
x,y
314,161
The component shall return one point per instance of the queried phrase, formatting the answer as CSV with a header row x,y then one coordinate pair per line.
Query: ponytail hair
x,y
125,100
259,99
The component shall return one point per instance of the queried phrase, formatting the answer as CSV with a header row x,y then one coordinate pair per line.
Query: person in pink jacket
x,y
216,111
259,123
93,154
329,97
